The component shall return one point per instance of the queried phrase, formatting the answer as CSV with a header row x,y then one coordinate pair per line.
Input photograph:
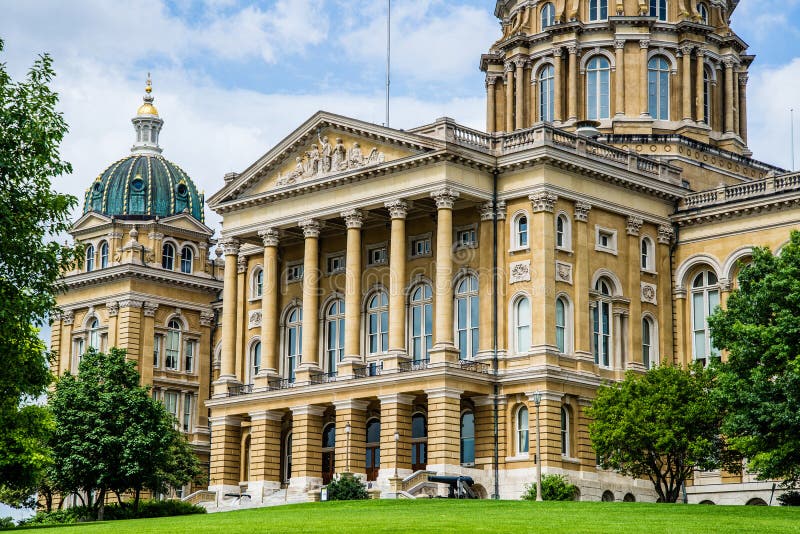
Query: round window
x,y
137,184
182,190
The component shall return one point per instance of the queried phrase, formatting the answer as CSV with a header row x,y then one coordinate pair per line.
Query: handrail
x,y
744,191
413,365
323,378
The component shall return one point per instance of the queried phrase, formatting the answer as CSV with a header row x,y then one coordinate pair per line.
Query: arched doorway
x,y
419,442
328,452
373,454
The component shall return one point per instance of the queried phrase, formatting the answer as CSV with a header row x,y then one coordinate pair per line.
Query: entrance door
x,y
286,464
328,453
419,442
373,457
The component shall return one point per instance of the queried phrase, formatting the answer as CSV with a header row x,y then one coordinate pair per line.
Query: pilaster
x,y
444,429
306,447
265,446
129,322
543,262
350,448
148,340
634,290
582,331
226,438
396,417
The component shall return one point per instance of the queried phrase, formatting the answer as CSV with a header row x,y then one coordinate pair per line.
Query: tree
x,y
111,436
31,261
660,425
760,382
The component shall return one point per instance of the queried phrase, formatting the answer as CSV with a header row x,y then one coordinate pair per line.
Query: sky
x,y
233,77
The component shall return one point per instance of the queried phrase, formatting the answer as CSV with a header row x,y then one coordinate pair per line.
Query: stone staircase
x,y
417,486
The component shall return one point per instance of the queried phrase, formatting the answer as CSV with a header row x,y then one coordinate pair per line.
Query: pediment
x,y
324,147
89,220
185,221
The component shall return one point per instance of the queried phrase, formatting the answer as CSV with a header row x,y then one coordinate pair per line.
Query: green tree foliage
x,y
347,488
32,215
661,425
760,382
554,488
111,436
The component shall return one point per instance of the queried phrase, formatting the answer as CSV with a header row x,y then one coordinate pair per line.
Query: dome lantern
x,y
147,124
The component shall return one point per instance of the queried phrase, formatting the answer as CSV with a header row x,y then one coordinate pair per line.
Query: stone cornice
x,y
141,272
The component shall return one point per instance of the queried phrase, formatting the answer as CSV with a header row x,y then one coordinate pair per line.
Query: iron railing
x,y
413,365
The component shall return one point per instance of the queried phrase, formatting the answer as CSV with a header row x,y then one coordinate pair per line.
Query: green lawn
x,y
441,515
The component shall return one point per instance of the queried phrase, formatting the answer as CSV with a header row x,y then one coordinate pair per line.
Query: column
x,y
112,307
583,446
634,291
700,88
509,96
443,298
558,89
728,62
533,104
582,330
265,452
229,292
350,449
686,85
665,304
619,85
269,303
444,430
519,116
486,280
743,106
549,426
148,342
57,366
644,44
543,262
310,357
241,317
619,325
572,103
306,446
66,361
484,431
501,274
395,417
398,209
354,220
491,111
735,101
226,439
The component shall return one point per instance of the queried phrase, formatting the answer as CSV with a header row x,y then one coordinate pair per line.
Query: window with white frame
x,y
563,232
563,326
90,258
522,325
257,284
648,252
467,318
598,83
376,255
548,15
705,299
168,256
255,361
158,341
421,319
658,88
468,438
334,334
104,255
522,430
546,93
605,240
702,10
171,399
79,349
294,272
95,339
601,324
187,412
707,92
649,352
173,348
658,9
336,264
189,354
420,246
520,231
564,431
598,10
378,323
293,342
187,256
466,237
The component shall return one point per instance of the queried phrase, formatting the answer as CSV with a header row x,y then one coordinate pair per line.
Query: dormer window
x,y
168,257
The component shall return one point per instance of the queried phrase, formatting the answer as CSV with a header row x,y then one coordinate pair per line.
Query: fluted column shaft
x,y
572,104
519,115
743,107
686,74
619,50
700,89
643,104
352,304
445,198
558,92
485,278
269,302
228,363
509,97
735,102
491,106
728,96
398,209
310,354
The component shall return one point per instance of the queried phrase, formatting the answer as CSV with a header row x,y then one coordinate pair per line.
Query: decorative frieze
x,y
564,272
130,303
543,202
326,159
649,293
520,271
254,319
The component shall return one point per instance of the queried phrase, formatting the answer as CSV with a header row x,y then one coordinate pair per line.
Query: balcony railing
x,y
414,365
371,369
280,383
477,367
748,190
323,378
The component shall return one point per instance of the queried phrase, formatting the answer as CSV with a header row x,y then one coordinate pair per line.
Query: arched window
x,y
334,334
598,79
546,98
563,326
94,334
255,361
520,230
702,10
186,260
707,92
90,258
649,358
705,299
563,232
658,9
421,318
598,10
328,452
419,442
168,256
373,449
468,438
647,254
294,342
522,325
378,323
602,324
467,318
522,430
104,255
173,348
658,88
548,15
258,282
564,431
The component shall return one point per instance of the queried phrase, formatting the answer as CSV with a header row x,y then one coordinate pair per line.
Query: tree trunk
x,y
101,504
136,496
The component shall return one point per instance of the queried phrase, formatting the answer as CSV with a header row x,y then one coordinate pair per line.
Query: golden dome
x,y
147,109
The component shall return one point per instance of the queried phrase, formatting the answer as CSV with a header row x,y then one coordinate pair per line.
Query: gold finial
x,y
148,108
149,86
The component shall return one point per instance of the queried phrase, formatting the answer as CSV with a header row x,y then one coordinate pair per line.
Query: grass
x,y
440,515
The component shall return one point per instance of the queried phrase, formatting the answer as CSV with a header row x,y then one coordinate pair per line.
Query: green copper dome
x,y
145,184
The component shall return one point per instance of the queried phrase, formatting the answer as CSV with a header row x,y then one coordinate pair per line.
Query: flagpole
x,y
388,54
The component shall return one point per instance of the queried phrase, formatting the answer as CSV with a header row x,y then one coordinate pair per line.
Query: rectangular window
x,y
294,273
157,350
173,351
188,355
421,247
377,255
187,412
79,349
336,264
466,238
171,402
605,240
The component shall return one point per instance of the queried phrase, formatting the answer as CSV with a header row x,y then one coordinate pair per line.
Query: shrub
x,y
554,488
347,488
6,522
112,512
790,498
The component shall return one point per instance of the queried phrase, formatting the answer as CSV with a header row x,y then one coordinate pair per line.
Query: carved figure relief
x,y
254,319
649,293
564,272
520,271
324,159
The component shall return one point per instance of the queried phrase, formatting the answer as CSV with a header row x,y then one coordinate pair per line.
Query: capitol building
x,y
399,303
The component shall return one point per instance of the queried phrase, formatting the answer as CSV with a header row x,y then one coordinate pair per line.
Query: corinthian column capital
x,y
445,198
353,218
311,227
270,237
230,246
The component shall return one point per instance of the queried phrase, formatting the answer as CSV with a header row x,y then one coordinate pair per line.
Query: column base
x,y
303,374
393,360
444,354
223,385
635,366
261,489
223,489
303,485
